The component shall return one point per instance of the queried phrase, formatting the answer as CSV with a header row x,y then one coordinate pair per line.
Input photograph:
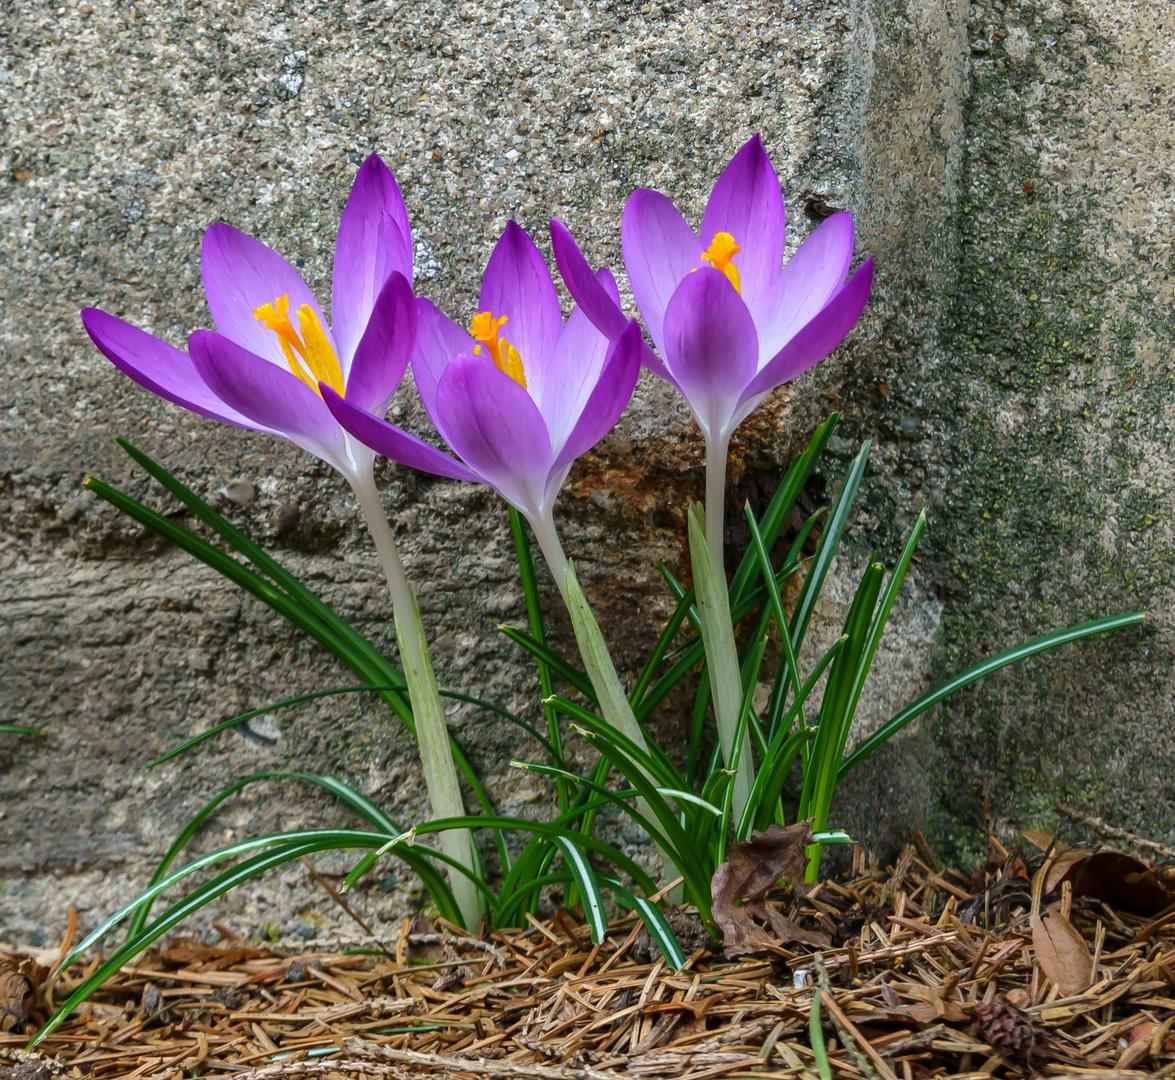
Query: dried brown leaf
x,y
1063,953
15,992
740,885
1121,881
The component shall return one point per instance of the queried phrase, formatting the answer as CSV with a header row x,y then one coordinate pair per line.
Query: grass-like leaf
x,y
589,889
19,729
985,667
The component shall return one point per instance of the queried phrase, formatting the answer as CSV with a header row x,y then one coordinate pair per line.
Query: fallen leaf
x,y
740,885
1037,839
1063,954
14,994
1121,881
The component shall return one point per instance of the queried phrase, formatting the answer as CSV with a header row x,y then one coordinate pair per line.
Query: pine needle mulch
x,y
1030,967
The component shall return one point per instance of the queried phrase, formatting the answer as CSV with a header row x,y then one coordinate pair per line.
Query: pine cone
x,y
1010,1032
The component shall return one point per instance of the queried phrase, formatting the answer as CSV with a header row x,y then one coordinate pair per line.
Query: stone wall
x,y
1010,170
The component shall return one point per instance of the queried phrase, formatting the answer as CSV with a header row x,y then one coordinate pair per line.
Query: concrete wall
x,y
1010,170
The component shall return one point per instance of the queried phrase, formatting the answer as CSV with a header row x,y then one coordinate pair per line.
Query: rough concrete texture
x,y
1010,167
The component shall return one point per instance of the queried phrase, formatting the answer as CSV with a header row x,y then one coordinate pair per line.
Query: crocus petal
x,y
267,395
597,294
439,341
373,241
518,284
495,427
747,203
240,274
394,442
712,347
659,250
608,398
570,377
159,367
810,278
588,292
385,348
823,333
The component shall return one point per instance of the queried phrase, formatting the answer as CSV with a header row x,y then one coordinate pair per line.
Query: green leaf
x,y
780,506
19,729
985,667
826,549
659,930
252,714
816,1037
567,671
589,889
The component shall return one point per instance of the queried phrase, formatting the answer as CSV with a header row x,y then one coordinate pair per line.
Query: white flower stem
x,y
432,734
717,455
593,650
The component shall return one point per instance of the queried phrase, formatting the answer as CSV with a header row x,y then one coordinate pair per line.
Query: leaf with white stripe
x,y
656,925
589,887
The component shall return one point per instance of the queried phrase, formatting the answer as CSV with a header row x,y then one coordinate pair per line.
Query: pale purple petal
x,y
569,377
713,350
240,274
590,293
270,396
810,278
439,341
747,203
495,427
373,241
157,366
660,249
814,341
385,348
518,284
596,294
608,399
394,442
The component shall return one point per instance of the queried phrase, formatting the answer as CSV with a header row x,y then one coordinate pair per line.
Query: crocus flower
x,y
263,368
729,321
518,396
273,346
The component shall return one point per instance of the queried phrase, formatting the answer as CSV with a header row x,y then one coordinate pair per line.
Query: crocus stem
x,y
717,454
614,703
432,734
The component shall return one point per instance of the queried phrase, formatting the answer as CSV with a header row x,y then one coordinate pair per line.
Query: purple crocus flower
x,y
729,321
519,396
272,348
264,368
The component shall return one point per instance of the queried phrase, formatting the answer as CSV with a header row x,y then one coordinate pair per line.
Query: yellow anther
x,y
721,250
309,354
484,327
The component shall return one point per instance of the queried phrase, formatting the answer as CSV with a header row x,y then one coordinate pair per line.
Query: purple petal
x,y
608,398
394,442
385,348
240,274
810,278
747,203
159,367
570,377
439,341
819,337
589,293
660,249
266,394
374,240
518,284
495,427
713,350
597,294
